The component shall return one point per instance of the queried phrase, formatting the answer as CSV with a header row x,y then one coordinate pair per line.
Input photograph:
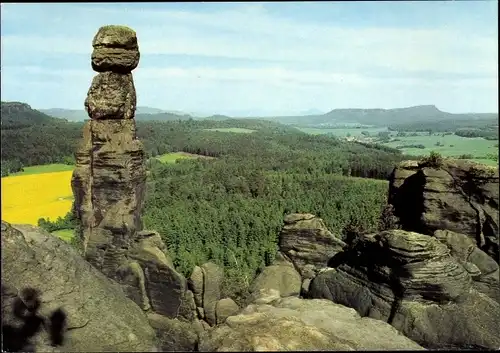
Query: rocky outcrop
x,y
151,277
482,268
212,280
411,281
109,179
456,195
297,324
99,314
109,185
307,243
205,284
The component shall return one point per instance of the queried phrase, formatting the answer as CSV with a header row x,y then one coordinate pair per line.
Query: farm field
x,y
343,132
233,129
45,191
451,145
174,156
26,198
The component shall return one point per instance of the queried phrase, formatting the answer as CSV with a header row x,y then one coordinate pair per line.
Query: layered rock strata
x,y
412,281
109,185
109,179
456,195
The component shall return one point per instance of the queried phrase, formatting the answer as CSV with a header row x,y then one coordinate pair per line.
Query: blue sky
x,y
263,58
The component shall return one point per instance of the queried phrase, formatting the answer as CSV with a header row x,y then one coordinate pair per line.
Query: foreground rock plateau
x,y
293,324
100,316
413,282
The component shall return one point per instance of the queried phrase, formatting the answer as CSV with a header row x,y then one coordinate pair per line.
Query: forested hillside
x,y
30,137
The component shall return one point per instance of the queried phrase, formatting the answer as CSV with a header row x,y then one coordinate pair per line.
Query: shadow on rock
x,y
17,338
409,202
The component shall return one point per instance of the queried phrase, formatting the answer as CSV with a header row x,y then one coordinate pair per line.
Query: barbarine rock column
x,y
109,180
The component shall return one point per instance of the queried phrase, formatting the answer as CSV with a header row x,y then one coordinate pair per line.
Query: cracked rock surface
x,y
418,285
458,195
302,325
100,316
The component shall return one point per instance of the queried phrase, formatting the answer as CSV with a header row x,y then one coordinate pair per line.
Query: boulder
x,y
166,288
307,242
115,49
100,317
285,279
174,335
195,284
225,307
298,325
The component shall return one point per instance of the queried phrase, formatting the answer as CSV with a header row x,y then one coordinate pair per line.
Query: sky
x,y
281,58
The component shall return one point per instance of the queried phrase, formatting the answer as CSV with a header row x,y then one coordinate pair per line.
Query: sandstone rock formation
x,y
297,324
456,195
174,335
100,316
109,185
307,243
483,270
109,179
205,284
412,281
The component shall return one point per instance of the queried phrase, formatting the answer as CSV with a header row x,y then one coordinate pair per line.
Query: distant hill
x,y
30,137
81,114
336,117
68,114
381,117
17,115
164,116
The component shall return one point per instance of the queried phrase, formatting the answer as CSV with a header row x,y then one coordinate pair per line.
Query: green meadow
x,y
343,132
48,168
480,149
233,129
174,156
64,234
449,145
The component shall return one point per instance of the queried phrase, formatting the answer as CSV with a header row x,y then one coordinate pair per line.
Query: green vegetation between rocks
x,y
65,234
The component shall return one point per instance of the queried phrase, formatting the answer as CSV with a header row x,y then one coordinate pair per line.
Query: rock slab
x,y
100,316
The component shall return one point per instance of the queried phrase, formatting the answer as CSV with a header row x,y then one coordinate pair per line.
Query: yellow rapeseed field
x,y
26,198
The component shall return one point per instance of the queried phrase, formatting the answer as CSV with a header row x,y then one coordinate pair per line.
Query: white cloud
x,y
253,34
310,62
